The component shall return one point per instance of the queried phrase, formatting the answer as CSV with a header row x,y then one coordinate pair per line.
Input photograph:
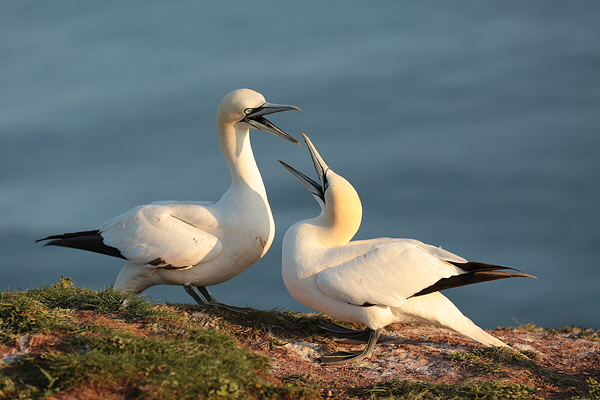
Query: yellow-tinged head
x,y
341,213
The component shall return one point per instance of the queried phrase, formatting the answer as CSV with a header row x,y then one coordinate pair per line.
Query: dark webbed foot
x,y
346,357
347,335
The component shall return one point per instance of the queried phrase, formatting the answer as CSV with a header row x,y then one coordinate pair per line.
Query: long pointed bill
x,y
257,120
311,185
317,189
318,161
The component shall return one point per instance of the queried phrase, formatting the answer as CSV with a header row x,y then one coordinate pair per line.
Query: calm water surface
x,y
469,125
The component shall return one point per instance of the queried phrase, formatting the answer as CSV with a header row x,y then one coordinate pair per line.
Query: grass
x,y
165,356
52,308
277,324
415,390
493,360
576,332
485,361
149,367
497,361
594,389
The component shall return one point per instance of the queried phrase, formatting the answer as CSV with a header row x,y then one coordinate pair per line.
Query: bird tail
x,y
88,240
475,272
436,309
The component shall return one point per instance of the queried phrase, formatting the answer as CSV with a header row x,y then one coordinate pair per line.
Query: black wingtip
x,y
86,240
472,266
475,273
70,235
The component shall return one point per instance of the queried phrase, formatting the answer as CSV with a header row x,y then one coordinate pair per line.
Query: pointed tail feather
x,y
88,240
476,273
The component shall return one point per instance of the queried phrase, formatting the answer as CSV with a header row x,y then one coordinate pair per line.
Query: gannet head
x,y
247,107
339,201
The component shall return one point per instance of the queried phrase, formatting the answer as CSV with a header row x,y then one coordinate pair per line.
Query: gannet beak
x,y
318,161
317,189
256,118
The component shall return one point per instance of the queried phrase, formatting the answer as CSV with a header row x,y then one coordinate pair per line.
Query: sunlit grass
x,y
108,342
168,356
416,390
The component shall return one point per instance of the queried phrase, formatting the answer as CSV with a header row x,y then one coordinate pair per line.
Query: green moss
x,y
150,367
490,360
20,313
173,357
273,327
282,324
483,366
416,390
585,333
594,389
139,350
574,331
500,360
67,296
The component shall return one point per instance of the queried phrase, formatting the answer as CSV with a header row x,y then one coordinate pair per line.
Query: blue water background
x,y
468,125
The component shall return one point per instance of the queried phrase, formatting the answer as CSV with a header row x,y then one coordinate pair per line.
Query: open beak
x,y
256,118
317,189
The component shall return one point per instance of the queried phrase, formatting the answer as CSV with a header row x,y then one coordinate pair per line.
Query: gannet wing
x,y
436,251
165,235
389,274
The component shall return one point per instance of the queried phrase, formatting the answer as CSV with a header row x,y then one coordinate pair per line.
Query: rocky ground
x,y
555,363
410,361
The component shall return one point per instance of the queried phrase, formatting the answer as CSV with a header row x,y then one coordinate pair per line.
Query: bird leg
x,y
346,357
203,297
207,295
347,335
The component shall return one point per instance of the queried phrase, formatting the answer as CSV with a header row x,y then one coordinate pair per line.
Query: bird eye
x,y
248,111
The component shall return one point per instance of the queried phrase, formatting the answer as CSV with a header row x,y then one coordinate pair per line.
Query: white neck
x,y
237,152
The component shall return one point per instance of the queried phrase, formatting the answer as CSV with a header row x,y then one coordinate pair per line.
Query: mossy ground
x,y
63,342
136,349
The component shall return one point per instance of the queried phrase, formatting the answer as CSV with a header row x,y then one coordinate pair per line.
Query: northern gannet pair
x,y
375,282
197,243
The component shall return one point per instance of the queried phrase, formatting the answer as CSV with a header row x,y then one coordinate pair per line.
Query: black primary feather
x,y
476,273
88,240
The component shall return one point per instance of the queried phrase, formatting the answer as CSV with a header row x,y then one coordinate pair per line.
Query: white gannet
x,y
197,243
375,282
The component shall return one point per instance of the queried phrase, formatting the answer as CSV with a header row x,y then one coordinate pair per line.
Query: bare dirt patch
x,y
421,353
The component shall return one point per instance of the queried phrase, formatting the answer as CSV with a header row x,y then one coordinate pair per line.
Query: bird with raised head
x,y
374,282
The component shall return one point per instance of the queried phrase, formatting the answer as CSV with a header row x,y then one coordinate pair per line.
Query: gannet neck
x,y
234,140
342,214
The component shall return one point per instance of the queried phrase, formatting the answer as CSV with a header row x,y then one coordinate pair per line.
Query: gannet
x,y
197,243
374,282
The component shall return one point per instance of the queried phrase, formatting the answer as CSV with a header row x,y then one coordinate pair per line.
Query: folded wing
x,y
164,235
387,275
389,271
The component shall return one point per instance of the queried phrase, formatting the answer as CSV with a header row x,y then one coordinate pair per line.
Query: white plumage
x,y
375,282
181,235
197,244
